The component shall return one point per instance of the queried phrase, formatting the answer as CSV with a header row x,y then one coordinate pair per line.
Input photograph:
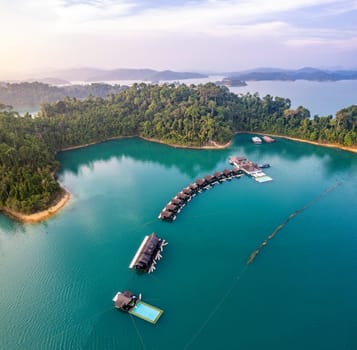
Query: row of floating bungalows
x,y
176,204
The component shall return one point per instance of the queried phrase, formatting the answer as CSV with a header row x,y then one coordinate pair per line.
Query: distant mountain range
x,y
100,75
306,73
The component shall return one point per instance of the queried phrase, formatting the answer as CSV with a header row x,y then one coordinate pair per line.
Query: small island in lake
x,y
232,82
185,116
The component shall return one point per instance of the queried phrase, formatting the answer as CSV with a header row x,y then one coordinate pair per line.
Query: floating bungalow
x,y
209,179
179,201
201,183
176,201
184,197
219,175
193,187
188,191
172,207
167,215
227,174
125,301
128,302
148,253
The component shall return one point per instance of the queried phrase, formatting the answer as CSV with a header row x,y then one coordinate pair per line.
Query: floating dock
x,y
146,312
177,203
250,168
130,303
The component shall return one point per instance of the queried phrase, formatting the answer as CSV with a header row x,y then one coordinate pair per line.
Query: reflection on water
x,y
188,161
194,163
58,277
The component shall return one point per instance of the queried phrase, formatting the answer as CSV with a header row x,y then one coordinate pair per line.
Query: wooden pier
x,y
177,203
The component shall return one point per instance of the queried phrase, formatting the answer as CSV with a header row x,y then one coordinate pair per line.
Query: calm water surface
x,y
322,98
58,277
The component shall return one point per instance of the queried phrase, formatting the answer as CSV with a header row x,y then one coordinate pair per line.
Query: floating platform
x,y
250,168
130,303
264,178
146,312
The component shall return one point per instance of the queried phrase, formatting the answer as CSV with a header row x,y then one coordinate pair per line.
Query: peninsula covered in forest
x,y
306,73
33,94
188,116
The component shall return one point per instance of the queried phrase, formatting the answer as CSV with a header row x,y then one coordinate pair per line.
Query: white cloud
x,y
40,33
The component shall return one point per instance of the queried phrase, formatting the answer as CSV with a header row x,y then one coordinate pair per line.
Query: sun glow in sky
x,y
200,35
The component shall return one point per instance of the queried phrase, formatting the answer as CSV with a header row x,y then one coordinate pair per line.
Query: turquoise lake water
x,y
58,277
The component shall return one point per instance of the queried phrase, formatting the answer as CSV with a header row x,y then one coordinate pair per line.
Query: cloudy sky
x,y
177,34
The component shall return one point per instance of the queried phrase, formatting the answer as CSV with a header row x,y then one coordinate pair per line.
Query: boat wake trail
x,y
286,221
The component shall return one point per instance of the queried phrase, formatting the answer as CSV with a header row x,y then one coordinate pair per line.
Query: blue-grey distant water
x,y
58,277
322,98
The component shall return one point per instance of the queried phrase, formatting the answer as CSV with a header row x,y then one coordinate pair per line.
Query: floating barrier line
x,y
289,218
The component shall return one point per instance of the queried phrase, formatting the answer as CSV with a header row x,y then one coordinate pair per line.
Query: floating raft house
x,y
176,204
128,302
250,168
148,253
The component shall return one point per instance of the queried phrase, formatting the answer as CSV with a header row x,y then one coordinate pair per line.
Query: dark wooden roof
x,y
182,195
176,201
171,207
187,191
167,214
122,300
193,186
200,182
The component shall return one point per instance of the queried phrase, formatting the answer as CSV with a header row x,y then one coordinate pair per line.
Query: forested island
x,y
306,73
191,116
33,94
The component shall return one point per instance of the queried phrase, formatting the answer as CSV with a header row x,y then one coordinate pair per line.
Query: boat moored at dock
x,y
268,139
257,140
